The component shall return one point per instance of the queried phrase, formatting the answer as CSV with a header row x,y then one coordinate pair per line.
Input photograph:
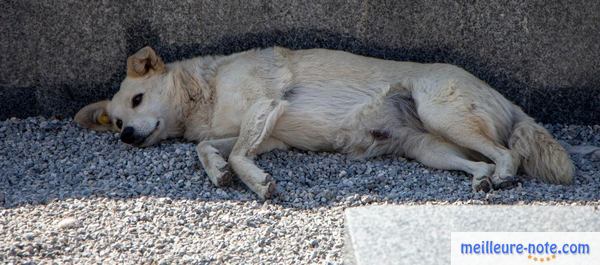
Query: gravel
x,y
71,195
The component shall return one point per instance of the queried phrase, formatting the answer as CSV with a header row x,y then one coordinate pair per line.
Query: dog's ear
x,y
144,62
94,116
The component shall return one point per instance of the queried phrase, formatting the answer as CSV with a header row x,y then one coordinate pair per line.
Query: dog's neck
x,y
192,96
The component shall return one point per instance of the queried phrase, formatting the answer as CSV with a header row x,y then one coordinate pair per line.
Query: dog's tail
x,y
541,155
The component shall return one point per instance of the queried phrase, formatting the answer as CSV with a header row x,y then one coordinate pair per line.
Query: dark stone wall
x,y
57,56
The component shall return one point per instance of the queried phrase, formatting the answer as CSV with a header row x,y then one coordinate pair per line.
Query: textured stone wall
x,y
57,56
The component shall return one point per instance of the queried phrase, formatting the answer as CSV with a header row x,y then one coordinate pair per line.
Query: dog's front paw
x,y
270,187
505,182
482,184
218,170
224,176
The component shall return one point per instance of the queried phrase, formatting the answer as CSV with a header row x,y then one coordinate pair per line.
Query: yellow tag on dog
x,y
103,119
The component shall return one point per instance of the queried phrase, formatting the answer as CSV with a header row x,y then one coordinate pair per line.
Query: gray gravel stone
x,y
156,205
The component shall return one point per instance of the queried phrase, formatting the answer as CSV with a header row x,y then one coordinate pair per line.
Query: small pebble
x,y
68,222
29,236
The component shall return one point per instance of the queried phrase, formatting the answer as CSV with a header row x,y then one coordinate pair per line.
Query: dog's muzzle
x,y
129,136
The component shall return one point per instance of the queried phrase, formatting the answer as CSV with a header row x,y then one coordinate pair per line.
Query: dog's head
x,y
140,110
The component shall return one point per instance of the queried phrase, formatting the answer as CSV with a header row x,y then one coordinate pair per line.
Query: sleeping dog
x,y
244,104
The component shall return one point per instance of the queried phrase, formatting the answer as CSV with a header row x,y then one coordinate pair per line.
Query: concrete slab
x,y
421,234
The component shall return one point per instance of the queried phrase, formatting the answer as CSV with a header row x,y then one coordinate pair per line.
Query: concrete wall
x,y
57,56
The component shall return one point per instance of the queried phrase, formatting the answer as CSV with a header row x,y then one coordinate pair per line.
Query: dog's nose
x,y
128,135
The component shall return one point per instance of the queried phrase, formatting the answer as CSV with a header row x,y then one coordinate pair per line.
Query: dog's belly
x,y
305,130
327,117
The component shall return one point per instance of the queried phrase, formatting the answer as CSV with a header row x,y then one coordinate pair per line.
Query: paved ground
x,y
421,235
72,195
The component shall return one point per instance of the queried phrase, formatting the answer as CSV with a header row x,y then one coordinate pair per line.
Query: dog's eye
x,y
136,100
119,123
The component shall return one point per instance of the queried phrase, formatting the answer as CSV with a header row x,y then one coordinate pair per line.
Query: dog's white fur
x,y
248,103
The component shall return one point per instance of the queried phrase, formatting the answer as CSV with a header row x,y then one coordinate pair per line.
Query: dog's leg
x,y
271,144
469,136
212,155
256,127
455,113
436,152
506,162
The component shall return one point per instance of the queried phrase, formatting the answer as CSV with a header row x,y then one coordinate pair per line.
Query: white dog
x,y
241,105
